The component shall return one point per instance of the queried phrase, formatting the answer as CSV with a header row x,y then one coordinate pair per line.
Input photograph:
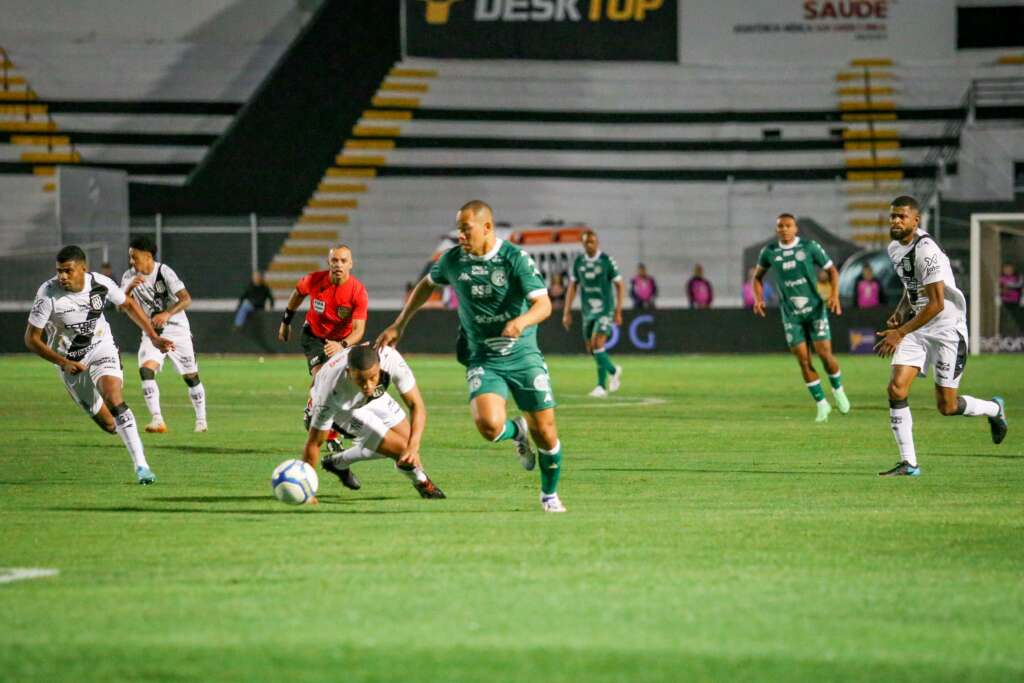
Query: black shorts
x,y
313,347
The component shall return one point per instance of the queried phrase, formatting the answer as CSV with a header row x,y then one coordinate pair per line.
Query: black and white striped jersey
x,y
158,292
77,317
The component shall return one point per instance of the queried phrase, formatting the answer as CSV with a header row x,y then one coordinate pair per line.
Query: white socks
x,y
354,455
412,475
197,395
976,406
129,433
151,394
903,430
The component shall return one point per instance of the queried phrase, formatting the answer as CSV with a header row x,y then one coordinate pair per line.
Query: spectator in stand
x,y
867,291
699,289
643,288
556,290
748,291
256,297
1010,285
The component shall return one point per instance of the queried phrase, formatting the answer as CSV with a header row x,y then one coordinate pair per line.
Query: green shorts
x,y
811,326
527,379
601,325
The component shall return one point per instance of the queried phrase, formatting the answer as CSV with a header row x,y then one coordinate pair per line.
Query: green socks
x,y
836,380
816,391
509,432
605,367
550,468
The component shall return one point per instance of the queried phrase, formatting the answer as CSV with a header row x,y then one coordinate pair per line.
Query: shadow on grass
x,y
971,456
200,449
280,510
685,470
249,499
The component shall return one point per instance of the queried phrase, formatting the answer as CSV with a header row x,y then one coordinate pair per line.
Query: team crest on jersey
x,y
907,265
96,302
800,256
498,278
160,287
542,383
319,306
343,311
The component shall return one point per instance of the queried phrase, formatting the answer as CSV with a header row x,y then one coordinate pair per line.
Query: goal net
x,y
997,264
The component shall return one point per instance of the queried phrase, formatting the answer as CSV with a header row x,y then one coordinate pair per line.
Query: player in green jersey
x,y
594,273
502,298
804,313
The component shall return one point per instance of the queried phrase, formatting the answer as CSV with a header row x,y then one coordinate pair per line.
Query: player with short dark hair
x,y
804,313
81,345
351,391
928,328
163,297
595,273
502,298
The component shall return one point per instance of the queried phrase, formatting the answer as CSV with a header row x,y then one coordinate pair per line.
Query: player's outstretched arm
x,y
311,451
538,312
284,330
131,308
418,421
34,343
833,298
419,296
757,282
570,295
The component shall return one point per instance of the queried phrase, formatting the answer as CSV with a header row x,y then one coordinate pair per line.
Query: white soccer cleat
x,y
527,458
615,381
598,392
551,503
200,426
156,426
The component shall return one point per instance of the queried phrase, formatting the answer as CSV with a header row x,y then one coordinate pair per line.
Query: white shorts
x,y
103,359
370,423
945,348
183,357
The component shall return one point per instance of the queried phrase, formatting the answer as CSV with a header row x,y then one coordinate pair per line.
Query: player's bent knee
x,y
191,380
948,408
489,430
897,393
147,373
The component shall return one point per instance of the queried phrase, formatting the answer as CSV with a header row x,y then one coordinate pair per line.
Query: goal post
x,y
996,238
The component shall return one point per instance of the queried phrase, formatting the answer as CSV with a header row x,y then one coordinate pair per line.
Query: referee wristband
x,y
287,317
344,343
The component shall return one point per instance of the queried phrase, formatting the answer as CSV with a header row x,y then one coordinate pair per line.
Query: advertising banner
x,y
816,31
631,30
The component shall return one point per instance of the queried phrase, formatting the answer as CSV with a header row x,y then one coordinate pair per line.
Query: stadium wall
x,y
434,331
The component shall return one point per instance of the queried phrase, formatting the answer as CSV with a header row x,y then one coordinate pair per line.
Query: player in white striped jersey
x,y
928,328
351,389
162,295
81,345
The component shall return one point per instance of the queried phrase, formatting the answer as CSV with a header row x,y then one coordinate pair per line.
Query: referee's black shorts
x,y
313,347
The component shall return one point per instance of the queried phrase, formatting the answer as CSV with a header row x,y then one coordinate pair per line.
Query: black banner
x,y
610,30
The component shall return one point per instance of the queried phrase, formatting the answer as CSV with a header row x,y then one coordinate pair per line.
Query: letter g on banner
x,y
647,342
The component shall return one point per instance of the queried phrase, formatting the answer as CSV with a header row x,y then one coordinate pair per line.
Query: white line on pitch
x,y
12,574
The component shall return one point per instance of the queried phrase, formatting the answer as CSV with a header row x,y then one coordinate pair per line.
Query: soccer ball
x,y
294,482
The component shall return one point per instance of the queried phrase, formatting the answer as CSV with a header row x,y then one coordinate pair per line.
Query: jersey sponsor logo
x,y
501,345
96,302
478,270
38,306
480,291
931,265
496,318
795,283
789,265
475,383
474,372
343,311
800,301
498,278
319,305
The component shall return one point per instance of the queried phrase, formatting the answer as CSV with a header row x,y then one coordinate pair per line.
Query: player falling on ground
x,y
84,349
594,274
502,298
162,296
804,314
351,391
336,320
928,328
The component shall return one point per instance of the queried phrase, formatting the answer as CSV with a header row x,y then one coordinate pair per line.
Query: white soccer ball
x,y
294,482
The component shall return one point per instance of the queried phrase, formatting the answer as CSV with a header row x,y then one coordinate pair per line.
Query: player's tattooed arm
x,y
131,308
419,296
757,282
35,343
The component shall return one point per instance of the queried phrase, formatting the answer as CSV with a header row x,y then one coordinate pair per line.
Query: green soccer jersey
x,y
795,273
492,289
594,278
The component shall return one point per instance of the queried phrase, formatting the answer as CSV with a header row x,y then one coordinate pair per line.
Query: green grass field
x,y
714,533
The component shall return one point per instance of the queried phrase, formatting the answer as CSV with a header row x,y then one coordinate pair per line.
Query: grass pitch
x,y
714,533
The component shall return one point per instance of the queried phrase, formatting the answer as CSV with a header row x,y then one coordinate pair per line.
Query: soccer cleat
x,y
551,503
823,411
615,381
145,475
335,445
200,426
428,489
998,423
347,477
598,392
156,426
527,458
902,469
842,402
